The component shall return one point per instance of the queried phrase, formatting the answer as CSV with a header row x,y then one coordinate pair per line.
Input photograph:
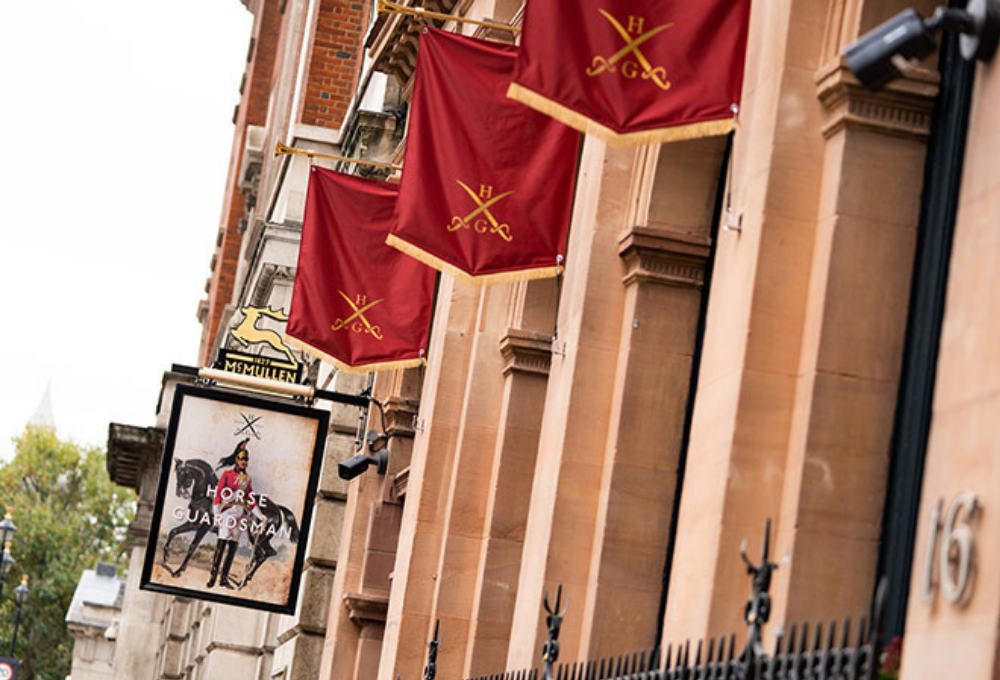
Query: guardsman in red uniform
x,y
234,501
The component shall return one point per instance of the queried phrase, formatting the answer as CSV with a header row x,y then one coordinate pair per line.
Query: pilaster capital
x,y
902,108
664,256
399,413
526,352
365,609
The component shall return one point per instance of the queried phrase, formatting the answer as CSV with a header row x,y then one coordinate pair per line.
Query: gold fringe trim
x,y
483,280
711,128
347,368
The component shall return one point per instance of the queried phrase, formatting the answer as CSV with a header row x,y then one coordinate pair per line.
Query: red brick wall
x,y
252,111
334,61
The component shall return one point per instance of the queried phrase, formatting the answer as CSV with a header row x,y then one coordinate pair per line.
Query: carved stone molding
x,y
399,413
392,43
269,273
526,351
903,108
366,609
662,256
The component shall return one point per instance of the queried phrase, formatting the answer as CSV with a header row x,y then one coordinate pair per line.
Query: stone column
x,y
468,487
526,357
360,595
665,272
411,607
559,536
301,636
852,346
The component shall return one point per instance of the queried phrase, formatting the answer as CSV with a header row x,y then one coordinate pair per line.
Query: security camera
x,y
887,51
356,465
874,58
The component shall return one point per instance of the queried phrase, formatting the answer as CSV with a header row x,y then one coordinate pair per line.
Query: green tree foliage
x,y
69,516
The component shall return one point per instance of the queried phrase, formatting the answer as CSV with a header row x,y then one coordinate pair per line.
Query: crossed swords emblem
x,y
359,313
601,64
500,229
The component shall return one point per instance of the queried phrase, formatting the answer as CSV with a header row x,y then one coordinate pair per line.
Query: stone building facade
x,y
792,324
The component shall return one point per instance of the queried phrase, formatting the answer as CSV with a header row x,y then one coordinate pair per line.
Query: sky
x,y
117,128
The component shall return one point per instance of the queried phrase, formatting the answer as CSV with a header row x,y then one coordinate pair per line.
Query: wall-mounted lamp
x,y
356,465
889,50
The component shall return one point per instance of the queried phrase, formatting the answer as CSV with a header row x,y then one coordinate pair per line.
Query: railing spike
x,y
862,630
831,634
732,645
845,635
818,637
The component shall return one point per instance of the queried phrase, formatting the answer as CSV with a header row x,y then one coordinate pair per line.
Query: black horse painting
x,y
195,479
277,517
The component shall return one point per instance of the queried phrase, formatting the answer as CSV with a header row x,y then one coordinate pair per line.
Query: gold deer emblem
x,y
248,334
630,69
484,200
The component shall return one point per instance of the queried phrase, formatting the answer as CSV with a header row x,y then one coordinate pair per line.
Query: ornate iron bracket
x,y
550,651
758,607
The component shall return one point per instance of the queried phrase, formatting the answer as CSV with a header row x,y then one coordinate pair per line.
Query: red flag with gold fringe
x,y
487,184
357,302
634,71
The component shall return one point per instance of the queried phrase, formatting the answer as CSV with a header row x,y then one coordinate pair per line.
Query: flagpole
x,y
283,149
388,7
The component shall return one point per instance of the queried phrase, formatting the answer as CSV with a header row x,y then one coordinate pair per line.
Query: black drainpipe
x,y
936,226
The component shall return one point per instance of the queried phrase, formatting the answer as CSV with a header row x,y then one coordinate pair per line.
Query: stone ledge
x,y
902,108
366,608
526,351
399,414
664,256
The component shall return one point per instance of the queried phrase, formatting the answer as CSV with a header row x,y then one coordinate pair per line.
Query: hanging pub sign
x,y
634,71
237,484
487,197
248,334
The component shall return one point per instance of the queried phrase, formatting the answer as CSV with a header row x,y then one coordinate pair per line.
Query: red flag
x,y
634,71
357,302
487,183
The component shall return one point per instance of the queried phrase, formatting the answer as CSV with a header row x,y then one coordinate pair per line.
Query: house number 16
x,y
952,555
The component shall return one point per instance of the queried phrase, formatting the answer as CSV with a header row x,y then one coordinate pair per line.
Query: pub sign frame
x,y
201,496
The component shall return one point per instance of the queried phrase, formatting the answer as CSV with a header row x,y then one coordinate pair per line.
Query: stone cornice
x,y
526,351
365,608
392,44
130,449
902,108
399,413
663,256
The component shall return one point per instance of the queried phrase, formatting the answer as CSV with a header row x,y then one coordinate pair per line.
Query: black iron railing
x,y
831,651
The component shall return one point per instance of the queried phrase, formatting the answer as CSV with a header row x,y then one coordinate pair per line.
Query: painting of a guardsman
x,y
237,485
234,500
